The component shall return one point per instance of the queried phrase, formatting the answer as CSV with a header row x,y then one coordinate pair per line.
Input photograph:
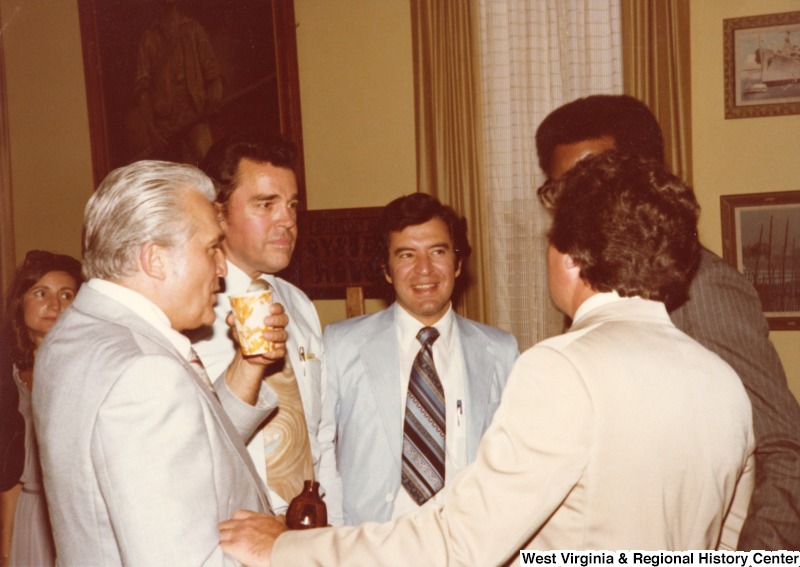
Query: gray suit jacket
x,y
724,315
361,368
140,460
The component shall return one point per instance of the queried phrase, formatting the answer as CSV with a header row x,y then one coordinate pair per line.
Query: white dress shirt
x,y
145,309
304,349
449,363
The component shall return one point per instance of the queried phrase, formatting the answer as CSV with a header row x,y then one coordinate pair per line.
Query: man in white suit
x,y
369,359
141,455
256,203
623,433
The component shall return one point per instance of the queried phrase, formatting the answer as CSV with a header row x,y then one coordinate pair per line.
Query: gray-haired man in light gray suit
x,y
141,455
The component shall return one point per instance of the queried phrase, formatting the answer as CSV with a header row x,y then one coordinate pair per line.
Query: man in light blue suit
x,y
370,359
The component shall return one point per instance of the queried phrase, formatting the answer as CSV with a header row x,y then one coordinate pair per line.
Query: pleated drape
x,y
448,128
535,56
656,63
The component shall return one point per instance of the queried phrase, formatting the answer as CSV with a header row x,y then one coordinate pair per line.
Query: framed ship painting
x,y
761,239
762,65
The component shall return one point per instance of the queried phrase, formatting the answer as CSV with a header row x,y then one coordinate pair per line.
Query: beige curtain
x,y
7,257
535,56
447,128
656,64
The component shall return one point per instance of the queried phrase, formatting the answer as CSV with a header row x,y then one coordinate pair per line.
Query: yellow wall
x,y
358,120
48,124
745,155
357,100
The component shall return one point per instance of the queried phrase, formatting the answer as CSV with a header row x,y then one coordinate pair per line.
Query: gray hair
x,y
137,204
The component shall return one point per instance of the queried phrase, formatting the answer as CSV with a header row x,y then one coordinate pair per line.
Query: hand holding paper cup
x,y
249,310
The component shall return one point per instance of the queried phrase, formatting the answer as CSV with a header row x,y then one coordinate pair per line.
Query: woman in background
x,y
42,288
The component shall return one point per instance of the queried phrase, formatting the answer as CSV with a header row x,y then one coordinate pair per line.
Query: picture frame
x,y
761,239
166,85
337,250
762,65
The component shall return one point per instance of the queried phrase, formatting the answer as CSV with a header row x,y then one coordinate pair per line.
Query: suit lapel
x,y
380,358
479,364
103,307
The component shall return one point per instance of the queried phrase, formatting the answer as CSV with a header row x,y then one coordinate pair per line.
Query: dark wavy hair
x,y
630,225
419,208
221,163
412,210
17,346
623,118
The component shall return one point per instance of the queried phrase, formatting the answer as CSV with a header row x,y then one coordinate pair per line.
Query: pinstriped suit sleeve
x,y
724,314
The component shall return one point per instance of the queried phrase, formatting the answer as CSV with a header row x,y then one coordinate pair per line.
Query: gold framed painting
x,y
761,239
762,65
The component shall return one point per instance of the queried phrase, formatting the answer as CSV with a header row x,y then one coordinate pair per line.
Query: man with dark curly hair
x,y
595,444
723,313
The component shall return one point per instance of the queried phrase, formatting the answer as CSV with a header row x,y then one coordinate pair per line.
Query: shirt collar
x,y
408,327
598,299
237,280
145,309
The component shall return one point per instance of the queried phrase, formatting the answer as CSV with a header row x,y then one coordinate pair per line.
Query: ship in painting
x,y
781,67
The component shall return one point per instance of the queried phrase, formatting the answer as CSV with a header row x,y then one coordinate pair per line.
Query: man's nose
x,y
288,216
222,265
423,264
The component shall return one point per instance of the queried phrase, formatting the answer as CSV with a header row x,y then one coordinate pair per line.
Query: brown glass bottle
x,y
307,510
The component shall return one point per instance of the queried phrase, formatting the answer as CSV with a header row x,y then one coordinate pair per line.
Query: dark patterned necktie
x,y
424,428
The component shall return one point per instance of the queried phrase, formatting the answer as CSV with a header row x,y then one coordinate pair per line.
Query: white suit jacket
x,y
140,460
304,347
623,433
362,372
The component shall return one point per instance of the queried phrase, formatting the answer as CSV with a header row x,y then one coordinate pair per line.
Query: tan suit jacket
x,y
623,433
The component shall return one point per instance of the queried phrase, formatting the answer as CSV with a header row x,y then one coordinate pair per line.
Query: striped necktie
x,y
200,370
424,428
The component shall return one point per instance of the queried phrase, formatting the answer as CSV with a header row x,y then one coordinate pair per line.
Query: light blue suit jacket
x,y
361,366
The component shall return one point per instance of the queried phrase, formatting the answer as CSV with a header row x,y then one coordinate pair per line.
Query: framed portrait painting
x,y
762,65
761,239
167,78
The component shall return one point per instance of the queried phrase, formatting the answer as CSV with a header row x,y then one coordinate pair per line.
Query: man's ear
x,y
570,263
153,260
386,274
573,269
458,268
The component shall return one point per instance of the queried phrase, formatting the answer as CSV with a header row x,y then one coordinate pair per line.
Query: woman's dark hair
x,y
17,346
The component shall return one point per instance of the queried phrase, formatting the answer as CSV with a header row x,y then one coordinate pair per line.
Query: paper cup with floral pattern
x,y
249,310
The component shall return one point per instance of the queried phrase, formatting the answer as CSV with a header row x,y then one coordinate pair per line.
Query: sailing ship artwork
x,y
771,67
766,242
762,65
